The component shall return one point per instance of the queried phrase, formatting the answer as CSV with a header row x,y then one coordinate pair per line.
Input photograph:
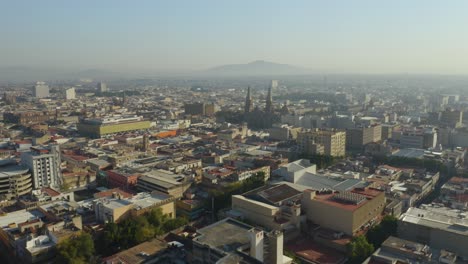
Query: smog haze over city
x,y
233,132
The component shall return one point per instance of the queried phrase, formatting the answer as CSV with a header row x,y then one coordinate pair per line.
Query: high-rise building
x,y
269,99
70,93
200,109
102,87
333,142
44,164
41,90
453,118
248,102
358,137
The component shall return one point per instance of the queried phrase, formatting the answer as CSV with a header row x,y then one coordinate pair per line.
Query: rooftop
x,y
234,235
439,218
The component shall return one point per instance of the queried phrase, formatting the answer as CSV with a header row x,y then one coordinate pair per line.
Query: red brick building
x,y
122,179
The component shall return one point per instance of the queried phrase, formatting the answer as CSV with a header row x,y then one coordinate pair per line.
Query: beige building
x,y
117,209
333,142
346,212
272,207
438,227
357,138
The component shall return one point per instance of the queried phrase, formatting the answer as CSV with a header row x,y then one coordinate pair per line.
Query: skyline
x,y
362,37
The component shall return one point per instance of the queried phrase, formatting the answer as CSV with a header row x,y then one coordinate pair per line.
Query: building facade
x,y
44,164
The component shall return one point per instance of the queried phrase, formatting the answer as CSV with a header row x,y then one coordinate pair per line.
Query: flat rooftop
x,y
19,217
226,235
448,219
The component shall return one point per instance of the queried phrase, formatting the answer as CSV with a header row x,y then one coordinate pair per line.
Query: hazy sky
x,y
397,36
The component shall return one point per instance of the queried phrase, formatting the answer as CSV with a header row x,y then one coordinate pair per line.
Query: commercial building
x,y
357,138
70,93
453,118
44,164
199,109
333,141
41,90
102,87
420,138
346,211
117,208
397,250
15,180
438,227
98,127
26,117
230,241
122,179
163,181
274,207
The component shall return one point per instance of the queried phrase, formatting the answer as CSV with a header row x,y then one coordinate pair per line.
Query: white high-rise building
x,y
44,163
70,93
102,87
41,90
274,85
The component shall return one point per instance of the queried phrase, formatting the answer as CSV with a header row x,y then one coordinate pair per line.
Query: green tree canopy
x,y
76,250
359,249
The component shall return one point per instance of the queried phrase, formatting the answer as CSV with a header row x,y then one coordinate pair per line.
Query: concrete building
x,y
248,102
41,90
102,87
122,179
333,141
239,243
283,132
274,207
292,171
163,181
422,138
347,211
27,117
98,127
397,250
453,118
44,164
70,93
199,109
357,138
438,227
15,181
117,208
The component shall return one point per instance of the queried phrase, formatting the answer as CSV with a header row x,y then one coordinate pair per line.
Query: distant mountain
x,y
256,68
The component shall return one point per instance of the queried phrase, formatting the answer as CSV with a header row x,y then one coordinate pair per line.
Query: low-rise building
x,y
436,226
347,211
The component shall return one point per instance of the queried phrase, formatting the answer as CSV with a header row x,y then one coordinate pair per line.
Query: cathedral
x,y
257,118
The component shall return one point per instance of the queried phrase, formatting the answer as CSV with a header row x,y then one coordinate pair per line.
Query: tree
x,y
359,249
379,233
175,223
77,250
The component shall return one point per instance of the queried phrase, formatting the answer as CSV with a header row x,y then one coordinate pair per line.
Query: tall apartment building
x,y
44,164
333,141
102,87
70,93
199,109
41,90
452,118
420,138
357,138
